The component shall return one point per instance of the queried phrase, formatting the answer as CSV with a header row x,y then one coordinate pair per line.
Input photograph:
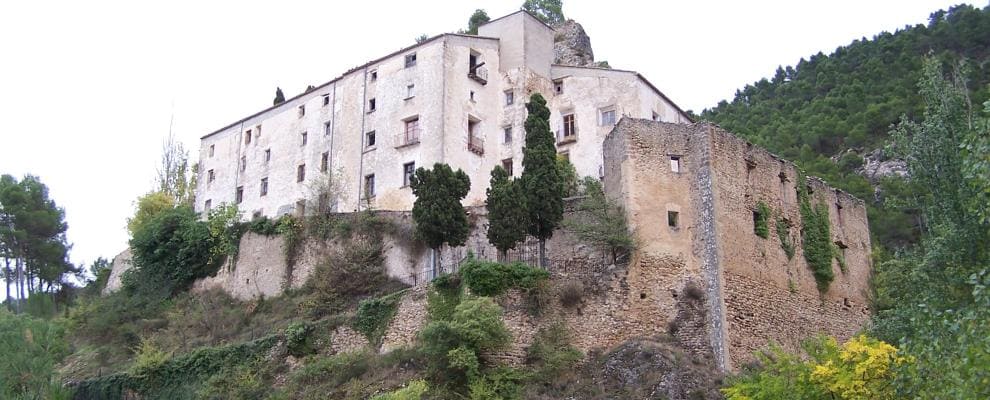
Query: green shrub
x,y
760,217
485,278
816,240
784,234
476,326
346,275
551,351
263,226
334,370
298,339
374,316
31,348
443,297
414,391
171,250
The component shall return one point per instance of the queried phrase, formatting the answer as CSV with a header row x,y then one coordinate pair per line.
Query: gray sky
x,y
88,87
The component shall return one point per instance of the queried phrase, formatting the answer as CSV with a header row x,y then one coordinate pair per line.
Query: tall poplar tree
x,y
440,218
507,215
542,184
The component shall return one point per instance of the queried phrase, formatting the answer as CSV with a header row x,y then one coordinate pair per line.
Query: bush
x,y
760,217
171,250
374,316
476,326
551,351
298,339
346,275
414,391
571,294
31,348
444,296
486,278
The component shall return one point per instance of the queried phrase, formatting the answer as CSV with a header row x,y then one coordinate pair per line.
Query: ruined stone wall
x,y
769,297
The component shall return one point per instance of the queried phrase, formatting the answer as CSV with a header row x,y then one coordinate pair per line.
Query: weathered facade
x,y
456,99
692,193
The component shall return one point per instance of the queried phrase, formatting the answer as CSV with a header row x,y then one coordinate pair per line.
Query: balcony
x,y
565,137
476,145
408,137
479,74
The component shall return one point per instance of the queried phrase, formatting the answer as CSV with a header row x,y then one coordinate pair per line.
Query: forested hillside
x,y
814,112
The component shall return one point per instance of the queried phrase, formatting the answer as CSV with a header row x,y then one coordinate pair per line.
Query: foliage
x,y
451,347
374,316
549,11
486,278
346,275
292,232
600,221
171,251
31,348
440,217
568,176
849,99
279,97
816,238
507,215
760,217
862,368
478,18
783,227
443,297
414,391
297,339
149,206
173,177
148,357
542,183
571,294
976,165
422,38
551,352
225,233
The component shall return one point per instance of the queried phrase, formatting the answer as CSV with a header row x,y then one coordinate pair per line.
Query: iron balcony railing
x,y
476,144
479,74
407,138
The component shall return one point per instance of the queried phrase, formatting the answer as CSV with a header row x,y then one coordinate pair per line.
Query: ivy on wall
x,y
816,238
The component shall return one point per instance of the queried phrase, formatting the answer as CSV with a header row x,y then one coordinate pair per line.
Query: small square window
x,y
510,97
239,195
212,149
208,205
210,176
301,173
570,127
327,128
410,91
373,75
672,217
304,136
326,100
325,162
369,139
371,105
675,163
558,87
268,155
302,111
264,186
507,165
410,60
608,117
408,169
369,186
507,134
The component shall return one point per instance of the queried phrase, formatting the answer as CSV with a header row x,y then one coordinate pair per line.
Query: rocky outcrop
x,y
878,165
571,46
121,263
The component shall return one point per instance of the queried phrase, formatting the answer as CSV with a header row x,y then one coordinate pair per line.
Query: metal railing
x,y
476,144
407,138
479,74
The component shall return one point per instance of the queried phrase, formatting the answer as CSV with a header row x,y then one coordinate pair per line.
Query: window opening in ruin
x,y
239,195
558,87
369,139
643,295
507,134
369,186
324,161
305,137
212,148
507,165
410,91
408,169
510,97
570,128
371,105
411,133
247,137
374,74
264,186
301,173
302,111
268,155
210,176
208,205
326,100
672,219
675,164
410,60
608,117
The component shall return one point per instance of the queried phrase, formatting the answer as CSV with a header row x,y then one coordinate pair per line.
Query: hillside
x,y
816,111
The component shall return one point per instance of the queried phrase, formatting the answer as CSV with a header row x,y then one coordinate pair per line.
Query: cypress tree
x,y
507,215
440,218
544,190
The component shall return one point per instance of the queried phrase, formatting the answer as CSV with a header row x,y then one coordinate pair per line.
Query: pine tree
x,y
507,215
440,218
544,190
279,97
480,17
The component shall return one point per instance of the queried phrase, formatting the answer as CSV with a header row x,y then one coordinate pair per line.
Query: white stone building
x,y
456,99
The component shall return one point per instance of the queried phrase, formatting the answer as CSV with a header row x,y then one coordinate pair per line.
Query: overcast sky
x,y
87,88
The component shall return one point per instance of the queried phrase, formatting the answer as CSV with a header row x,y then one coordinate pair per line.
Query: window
x,y
302,110
208,205
325,162
570,127
210,176
247,137
371,105
510,97
408,169
558,87
239,195
410,60
672,219
472,95
326,100
301,173
410,91
268,155
212,148
412,131
257,128
327,129
507,134
369,186
304,137
264,186
507,165
675,163
243,163
369,139
656,117
608,117
373,75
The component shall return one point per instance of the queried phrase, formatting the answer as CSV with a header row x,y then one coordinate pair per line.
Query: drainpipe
x,y
364,103
333,127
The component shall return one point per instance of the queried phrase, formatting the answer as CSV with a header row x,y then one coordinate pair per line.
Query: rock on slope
x,y
572,46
